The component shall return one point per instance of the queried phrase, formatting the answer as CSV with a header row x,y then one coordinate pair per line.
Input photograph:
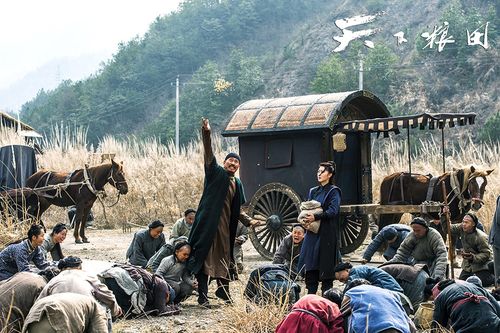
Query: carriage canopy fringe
x,y
393,124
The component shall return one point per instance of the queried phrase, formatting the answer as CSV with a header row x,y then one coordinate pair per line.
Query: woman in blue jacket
x,y
320,252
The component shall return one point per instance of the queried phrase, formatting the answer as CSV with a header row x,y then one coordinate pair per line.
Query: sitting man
x,y
145,243
182,227
393,235
466,307
476,252
366,306
289,250
426,246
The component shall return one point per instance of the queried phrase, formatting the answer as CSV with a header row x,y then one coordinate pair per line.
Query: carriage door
x,y
349,170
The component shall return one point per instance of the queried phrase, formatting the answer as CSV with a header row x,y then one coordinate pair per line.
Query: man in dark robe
x,y
214,229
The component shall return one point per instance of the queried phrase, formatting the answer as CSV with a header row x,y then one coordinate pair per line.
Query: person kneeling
x,y
173,270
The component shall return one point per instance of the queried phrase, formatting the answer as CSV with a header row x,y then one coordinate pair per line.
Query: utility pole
x,y
177,115
360,79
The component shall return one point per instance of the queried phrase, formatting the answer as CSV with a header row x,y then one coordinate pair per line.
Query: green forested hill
x,y
229,51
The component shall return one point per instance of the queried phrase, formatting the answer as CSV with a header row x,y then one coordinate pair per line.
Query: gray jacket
x,y
143,247
476,243
429,250
288,253
175,273
495,227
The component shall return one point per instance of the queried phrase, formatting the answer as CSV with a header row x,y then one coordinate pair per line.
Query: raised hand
x,y
205,124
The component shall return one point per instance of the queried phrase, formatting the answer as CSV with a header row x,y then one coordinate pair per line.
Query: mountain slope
x,y
229,51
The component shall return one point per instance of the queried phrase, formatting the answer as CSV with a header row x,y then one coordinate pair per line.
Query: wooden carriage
x,y
281,143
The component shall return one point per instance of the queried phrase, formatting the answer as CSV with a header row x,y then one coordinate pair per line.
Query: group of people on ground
x,y
205,245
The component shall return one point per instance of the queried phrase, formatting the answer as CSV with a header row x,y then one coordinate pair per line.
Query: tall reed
x,y
162,183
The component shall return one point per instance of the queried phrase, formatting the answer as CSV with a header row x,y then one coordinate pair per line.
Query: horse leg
x,y
83,225
78,223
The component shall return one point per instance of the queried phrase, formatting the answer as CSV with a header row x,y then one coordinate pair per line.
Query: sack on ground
x,y
310,207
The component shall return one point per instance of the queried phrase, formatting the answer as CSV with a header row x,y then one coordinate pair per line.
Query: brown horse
x,y
464,188
79,188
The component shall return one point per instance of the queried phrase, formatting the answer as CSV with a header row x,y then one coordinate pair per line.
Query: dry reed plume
x,y
162,184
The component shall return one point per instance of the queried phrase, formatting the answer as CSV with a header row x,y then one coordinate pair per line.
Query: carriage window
x,y
278,153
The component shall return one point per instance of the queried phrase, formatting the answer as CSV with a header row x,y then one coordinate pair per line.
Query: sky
x,y
34,32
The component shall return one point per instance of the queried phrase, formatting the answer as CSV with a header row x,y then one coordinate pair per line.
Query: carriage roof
x,y
299,113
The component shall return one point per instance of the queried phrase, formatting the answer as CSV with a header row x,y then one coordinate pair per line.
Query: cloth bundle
x,y
310,207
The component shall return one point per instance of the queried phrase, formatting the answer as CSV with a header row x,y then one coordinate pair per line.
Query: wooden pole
x,y
451,254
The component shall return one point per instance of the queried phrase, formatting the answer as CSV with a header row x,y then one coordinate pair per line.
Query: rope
x,y
455,187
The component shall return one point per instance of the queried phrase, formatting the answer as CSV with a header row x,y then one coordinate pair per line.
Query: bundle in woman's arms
x,y
312,207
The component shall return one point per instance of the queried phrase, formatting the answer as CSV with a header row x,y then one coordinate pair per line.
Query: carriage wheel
x,y
277,205
354,231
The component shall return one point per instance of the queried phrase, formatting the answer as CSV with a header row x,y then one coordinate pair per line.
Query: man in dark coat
x,y
466,307
494,239
214,229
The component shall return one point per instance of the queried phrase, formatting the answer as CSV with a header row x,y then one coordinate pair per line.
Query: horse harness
x,y
457,189
67,182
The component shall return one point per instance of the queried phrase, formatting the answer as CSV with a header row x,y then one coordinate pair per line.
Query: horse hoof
x,y
85,240
78,241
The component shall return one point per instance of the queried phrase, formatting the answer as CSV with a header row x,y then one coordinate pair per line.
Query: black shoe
x,y
223,295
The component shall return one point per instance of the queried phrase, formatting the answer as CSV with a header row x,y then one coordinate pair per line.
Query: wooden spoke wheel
x,y
277,207
353,232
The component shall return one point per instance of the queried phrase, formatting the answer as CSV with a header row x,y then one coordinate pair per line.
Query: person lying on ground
x,y
426,246
411,278
345,273
165,251
271,283
392,235
145,243
66,312
476,252
17,296
288,251
182,227
312,314
18,257
52,242
370,309
138,291
466,307
377,277
173,270
72,279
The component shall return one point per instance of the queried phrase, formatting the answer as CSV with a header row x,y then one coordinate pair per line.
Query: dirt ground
x,y
111,245
108,246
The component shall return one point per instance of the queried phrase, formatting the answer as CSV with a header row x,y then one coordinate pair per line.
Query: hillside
x,y
226,52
